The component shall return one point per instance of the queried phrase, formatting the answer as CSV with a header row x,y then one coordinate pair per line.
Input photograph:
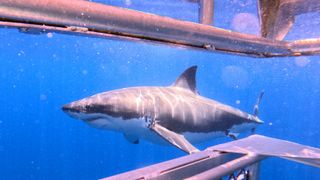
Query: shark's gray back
x,y
175,108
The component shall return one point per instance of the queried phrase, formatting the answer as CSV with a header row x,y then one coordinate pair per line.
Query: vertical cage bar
x,y
206,13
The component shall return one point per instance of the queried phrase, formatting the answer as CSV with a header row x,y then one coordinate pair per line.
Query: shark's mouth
x,y
91,119
82,116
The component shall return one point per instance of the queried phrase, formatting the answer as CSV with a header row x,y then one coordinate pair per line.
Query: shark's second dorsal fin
x,y
187,79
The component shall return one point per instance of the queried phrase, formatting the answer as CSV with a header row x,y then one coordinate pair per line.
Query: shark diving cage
x,y
105,21
234,160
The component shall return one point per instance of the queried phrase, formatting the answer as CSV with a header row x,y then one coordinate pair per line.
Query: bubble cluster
x,y
245,23
128,2
49,35
84,72
301,61
43,97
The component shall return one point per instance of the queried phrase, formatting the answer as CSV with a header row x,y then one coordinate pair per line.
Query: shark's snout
x,y
80,108
71,108
67,108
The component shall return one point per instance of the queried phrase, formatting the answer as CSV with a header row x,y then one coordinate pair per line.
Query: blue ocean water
x,y
40,73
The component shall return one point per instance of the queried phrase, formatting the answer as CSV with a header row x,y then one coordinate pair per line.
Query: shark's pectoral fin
x,y
173,138
131,138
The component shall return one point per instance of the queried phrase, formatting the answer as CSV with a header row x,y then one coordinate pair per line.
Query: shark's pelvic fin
x,y
233,136
187,79
132,139
173,138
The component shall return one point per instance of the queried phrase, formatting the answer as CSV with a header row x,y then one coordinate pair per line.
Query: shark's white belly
x,y
139,128
132,127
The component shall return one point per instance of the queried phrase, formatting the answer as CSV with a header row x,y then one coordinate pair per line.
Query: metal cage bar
x,y
98,19
223,159
206,11
94,19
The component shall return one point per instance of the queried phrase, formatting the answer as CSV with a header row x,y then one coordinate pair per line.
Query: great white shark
x,y
176,114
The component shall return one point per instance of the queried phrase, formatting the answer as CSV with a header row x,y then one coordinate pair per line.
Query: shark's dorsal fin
x,y
187,79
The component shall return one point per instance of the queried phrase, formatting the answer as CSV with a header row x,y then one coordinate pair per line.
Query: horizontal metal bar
x,y
305,46
267,146
179,168
128,23
223,159
71,30
228,168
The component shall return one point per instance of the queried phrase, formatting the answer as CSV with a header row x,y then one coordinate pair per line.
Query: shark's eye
x,y
87,107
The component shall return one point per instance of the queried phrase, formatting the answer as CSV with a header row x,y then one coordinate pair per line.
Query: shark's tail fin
x,y
256,106
256,111
255,168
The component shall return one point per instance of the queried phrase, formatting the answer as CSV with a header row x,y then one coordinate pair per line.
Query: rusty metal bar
x,y
99,18
278,16
206,11
305,46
